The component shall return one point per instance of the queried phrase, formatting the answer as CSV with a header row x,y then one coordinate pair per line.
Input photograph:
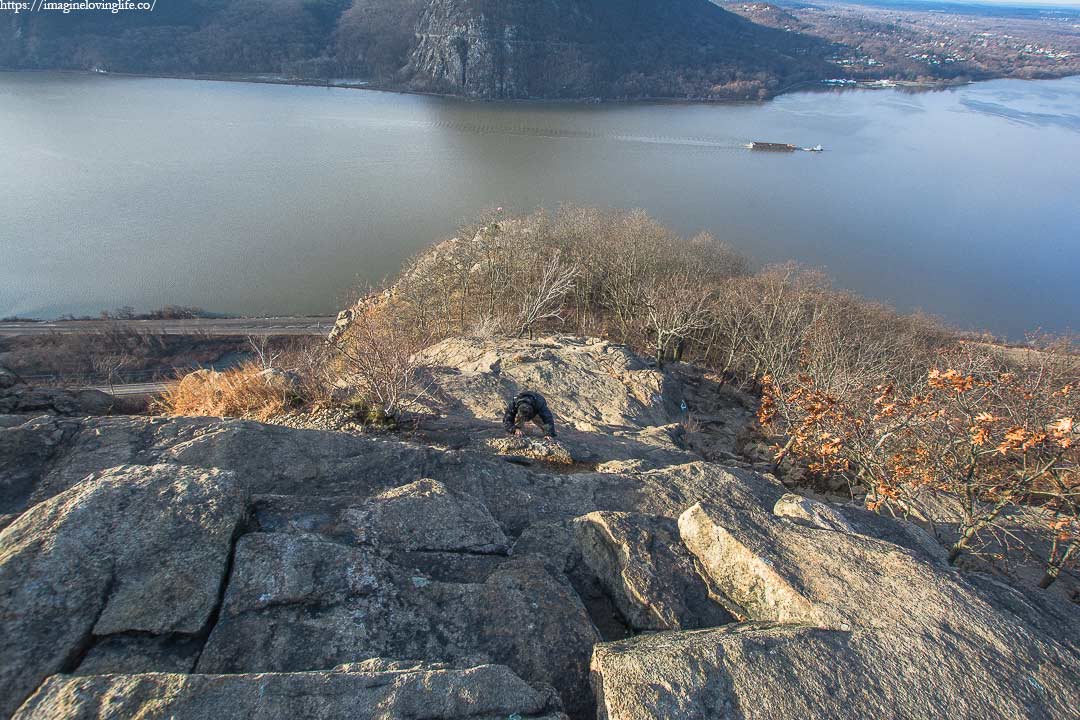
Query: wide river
x,y
261,199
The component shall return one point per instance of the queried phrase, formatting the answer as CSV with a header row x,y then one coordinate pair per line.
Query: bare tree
x,y
265,356
384,362
540,297
311,363
676,309
640,252
990,437
108,366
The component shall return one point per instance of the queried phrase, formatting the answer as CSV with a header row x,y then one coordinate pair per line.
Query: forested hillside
x,y
484,48
181,36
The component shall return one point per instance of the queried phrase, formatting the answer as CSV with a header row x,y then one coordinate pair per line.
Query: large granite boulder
x,y
365,691
843,626
853,519
131,550
644,568
25,399
299,602
27,449
428,516
812,513
630,570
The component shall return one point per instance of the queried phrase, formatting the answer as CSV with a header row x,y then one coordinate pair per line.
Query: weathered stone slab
x,y
135,654
642,564
859,628
376,691
26,450
134,549
426,515
811,513
298,602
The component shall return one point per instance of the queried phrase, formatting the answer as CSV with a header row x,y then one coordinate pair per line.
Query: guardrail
x,y
125,377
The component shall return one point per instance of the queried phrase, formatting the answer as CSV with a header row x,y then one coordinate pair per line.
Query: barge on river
x,y
781,147
773,147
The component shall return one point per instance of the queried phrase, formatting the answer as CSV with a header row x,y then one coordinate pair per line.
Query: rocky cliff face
x,y
505,49
607,48
199,567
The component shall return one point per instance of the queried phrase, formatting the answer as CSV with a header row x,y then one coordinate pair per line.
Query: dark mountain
x,y
180,36
610,48
480,48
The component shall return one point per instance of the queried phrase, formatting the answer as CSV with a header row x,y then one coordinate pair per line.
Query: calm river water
x,y
248,198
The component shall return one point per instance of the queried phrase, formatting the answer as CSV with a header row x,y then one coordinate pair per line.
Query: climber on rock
x,y
526,406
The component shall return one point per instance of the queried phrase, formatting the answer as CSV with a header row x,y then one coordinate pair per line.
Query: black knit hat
x,y
525,410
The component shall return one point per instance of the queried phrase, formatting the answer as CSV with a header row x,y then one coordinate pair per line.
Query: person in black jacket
x,y
526,406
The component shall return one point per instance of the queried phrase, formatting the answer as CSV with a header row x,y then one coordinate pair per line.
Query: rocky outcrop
x,y
494,50
428,516
272,460
297,602
422,516
592,385
133,550
383,691
198,567
609,403
20,398
859,626
643,567
349,530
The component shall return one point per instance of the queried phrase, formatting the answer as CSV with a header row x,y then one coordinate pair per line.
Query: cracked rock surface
x,y
438,692
854,626
132,549
209,568
297,602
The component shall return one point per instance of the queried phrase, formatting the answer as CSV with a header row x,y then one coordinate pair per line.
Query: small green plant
x,y
369,414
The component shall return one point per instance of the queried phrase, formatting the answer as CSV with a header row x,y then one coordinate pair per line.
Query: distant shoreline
x,y
374,87
805,86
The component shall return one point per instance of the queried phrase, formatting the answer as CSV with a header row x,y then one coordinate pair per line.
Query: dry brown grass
x,y
245,391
